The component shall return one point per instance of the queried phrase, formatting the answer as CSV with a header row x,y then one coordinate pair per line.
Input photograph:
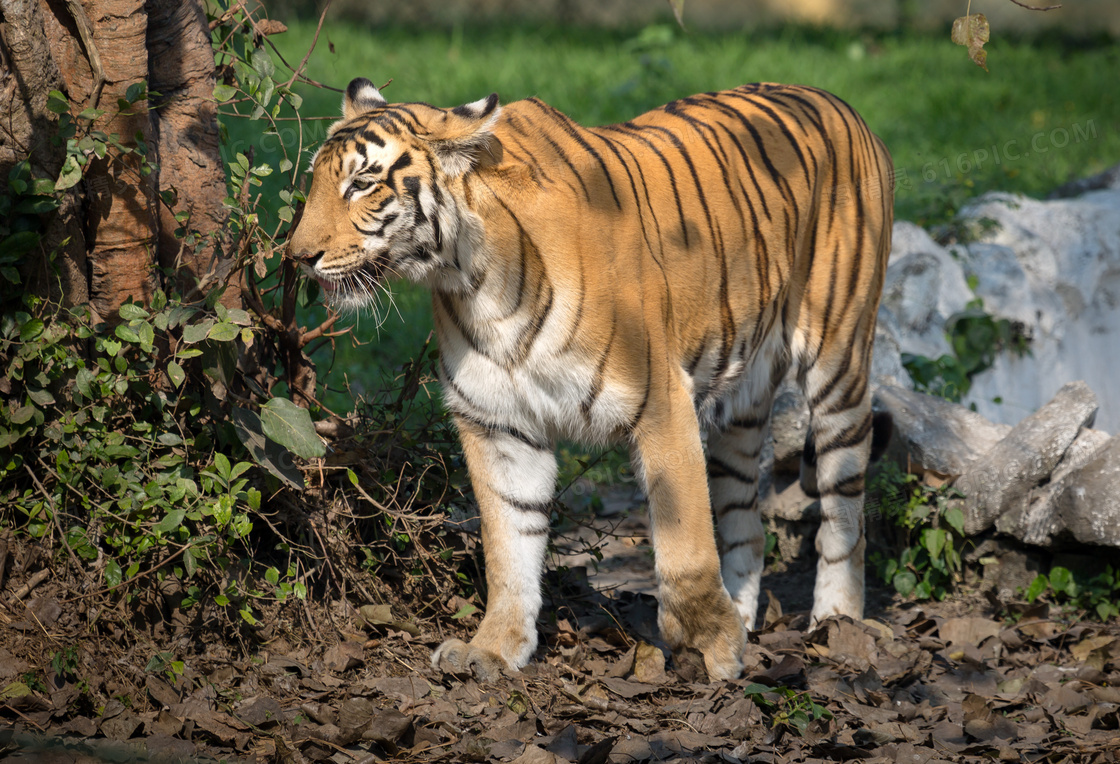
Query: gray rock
x,y
1087,507
1036,521
1002,479
1064,285
789,424
923,287
934,434
1001,281
886,357
1110,178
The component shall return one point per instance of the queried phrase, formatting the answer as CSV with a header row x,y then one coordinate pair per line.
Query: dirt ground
x,y
966,680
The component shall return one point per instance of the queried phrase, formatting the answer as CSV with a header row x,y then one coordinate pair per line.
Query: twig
x,y
1036,8
54,515
137,577
82,22
34,581
3,560
25,717
314,42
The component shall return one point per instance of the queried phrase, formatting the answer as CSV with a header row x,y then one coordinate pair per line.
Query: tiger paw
x,y
458,657
716,631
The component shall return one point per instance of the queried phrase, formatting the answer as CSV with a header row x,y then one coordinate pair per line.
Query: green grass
x,y
943,118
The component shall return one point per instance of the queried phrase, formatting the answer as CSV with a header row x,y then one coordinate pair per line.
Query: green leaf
x,y
905,582
112,574
19,244
127,333
131,311
223,93
247,615
291,426
176,374
224,332
221,464
934,541
193,333
57,102
41,397
221,600
1037,587
262,62
137,91
1061,579
265,451
755,689
147,334
31,330
955,517
23,414
37,205
272,575
69,175
171,521
464,611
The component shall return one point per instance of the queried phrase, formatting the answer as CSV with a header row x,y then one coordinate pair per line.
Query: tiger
x,y
641,283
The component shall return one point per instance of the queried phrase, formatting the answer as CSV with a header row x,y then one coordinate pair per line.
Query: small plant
x,y
976,338
1099,594
164,663
929,534
787,707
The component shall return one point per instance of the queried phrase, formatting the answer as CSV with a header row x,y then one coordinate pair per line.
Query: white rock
x,y
1068,279
923,287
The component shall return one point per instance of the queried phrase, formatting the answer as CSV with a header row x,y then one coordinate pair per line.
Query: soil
x,y
968,679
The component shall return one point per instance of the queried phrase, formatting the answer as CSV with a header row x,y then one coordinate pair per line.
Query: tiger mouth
x,y
359,282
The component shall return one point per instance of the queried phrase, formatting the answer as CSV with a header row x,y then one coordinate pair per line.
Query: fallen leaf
x,y
972,31
649,663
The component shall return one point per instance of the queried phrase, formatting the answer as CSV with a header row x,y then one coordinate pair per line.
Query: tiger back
x,y
630,283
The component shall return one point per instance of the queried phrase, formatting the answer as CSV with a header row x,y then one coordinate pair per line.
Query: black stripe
x,y
403,161
491,429
848,438
632,130
649,387
541,507
597,380
573,132
850,487
717,468
749,506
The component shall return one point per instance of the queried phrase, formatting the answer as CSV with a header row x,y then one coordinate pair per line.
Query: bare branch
x,y
1035,7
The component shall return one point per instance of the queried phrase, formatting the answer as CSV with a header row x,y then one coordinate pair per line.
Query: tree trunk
x,y
119,231
181,66
28,73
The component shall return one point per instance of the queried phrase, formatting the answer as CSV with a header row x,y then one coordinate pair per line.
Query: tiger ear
x,y
462,139
361,96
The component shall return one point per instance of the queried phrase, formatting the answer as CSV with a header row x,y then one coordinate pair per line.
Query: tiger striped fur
x,y
633,282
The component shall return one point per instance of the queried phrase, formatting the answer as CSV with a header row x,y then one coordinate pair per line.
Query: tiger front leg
x,y
513,480
695,610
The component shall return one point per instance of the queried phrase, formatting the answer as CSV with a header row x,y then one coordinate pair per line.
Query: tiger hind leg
x,y
841,428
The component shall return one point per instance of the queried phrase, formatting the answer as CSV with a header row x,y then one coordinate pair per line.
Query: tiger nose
x,y
306,256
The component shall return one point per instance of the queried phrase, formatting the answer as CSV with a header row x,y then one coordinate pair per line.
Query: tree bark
x,y
181,66
120,197
117,232
28,72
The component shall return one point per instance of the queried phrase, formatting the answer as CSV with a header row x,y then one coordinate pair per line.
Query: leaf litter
x,y
964,681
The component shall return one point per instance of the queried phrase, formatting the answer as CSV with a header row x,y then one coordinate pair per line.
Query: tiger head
x,y
386,195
